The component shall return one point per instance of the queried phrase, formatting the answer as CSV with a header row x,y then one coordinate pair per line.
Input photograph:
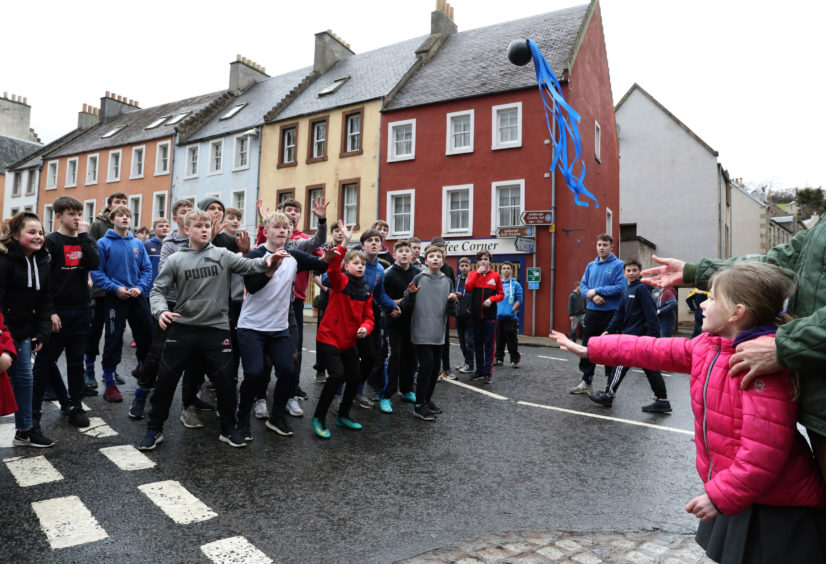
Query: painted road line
x,y
32,471
7,433
308,350
553,358
174,500
234,550
127,457
638,371
98,429
607,418
475,389
82,404
67,522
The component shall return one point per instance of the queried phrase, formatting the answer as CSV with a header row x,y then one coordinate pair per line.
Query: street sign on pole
x,y
525,244
534,277
518,231
537,217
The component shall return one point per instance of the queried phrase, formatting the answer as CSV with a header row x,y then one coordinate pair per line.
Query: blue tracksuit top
x,y
123,262
513,294
153,249
607,279
637,312
374,276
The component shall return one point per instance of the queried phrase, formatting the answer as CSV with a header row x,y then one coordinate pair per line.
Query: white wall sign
x,y
469,247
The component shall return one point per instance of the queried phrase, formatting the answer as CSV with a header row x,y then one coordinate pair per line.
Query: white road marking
x,y
127,457
98,429
308,350
475,389
638,371
174,500
553,358
67,522
32,471
607,418
7,433
234,550
82,404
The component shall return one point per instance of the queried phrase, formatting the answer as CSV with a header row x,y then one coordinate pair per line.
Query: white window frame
x,y
494,207
352,134
90,168
312,222
15,211
28,208
31,181
135,150
178,118
235,109
109,177
48,218
16,183
450,148
344,203
495,143
242,207
285,148
136,216
90,218
158,170
191,198
190,150
319,150
236,153
597,141
609,221
391,219
51,180
212,168
71,182
446,191
156,211
392,156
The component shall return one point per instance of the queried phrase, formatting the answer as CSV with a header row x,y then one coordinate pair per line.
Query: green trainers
x,y
384,405
347,422
320,428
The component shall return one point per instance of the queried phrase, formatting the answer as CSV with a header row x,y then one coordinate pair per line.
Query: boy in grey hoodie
x,y
199,326
431,299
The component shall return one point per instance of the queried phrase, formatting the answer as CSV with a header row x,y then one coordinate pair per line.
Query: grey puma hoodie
x,y
202,280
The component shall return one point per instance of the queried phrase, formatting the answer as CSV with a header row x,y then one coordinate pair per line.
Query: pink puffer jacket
x,y
748,447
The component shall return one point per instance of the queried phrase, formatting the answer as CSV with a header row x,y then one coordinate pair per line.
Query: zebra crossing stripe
x,y
67,522
234,550
178,504
127,457
32,471
7,433
98,429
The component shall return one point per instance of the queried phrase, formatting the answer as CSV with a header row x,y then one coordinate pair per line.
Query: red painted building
x,y
466,149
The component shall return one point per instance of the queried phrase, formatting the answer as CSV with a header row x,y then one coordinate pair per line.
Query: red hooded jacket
x,y
349,309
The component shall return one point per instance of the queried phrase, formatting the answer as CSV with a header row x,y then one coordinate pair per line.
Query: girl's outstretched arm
x,y
567,344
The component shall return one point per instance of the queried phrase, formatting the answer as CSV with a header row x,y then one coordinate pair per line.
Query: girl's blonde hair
x,y
760,287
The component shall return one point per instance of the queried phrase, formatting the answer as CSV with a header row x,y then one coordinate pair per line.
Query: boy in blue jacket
x,y
636,315
125,274
507,318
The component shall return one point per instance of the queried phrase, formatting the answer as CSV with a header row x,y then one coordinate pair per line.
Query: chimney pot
x,y
107,93
25,100
237,57
137,105
450,15
6,95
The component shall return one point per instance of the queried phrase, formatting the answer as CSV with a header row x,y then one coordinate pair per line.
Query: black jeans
x,y
118,312
507,329
428,357
97,319
72,338
595,324
655,380
465,332
278,347
342,367
183,344
484,331
402,365
446,349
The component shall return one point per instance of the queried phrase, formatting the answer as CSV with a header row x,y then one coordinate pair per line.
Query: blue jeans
x,y
22,382
484,331
72,338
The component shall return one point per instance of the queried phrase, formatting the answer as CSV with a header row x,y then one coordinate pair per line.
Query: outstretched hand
x,y
320,207
258,209
669,274
217,226
345,232
412,288
329,253
567,344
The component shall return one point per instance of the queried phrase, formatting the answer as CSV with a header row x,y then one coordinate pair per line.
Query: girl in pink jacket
x,y
764,496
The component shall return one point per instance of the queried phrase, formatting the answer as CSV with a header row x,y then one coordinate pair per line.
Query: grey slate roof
x,y
135,123
13,149
475,62
260,98
373,74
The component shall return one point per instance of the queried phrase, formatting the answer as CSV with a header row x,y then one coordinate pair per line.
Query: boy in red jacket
x,y
485,289
348,317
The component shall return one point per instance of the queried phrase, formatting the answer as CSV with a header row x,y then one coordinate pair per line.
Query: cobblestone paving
x,y
539,547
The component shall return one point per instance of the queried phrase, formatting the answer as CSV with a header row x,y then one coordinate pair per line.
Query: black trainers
x,y
301,394
233,438
601,398
32,438
78,418
202,405
434,408
476,377
244,426
138,407
659,406
422,412
278,423
150,440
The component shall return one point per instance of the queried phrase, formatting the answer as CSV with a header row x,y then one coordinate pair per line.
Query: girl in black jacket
x,y
25,301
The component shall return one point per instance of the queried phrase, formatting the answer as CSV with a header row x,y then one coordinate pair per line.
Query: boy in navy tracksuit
x,y
125,274
507,318
153,246
602,285
636,315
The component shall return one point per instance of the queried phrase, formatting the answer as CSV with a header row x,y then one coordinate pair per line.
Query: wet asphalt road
x,y
397,488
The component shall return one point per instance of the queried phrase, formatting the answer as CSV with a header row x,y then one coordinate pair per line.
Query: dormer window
x,y
233,111
177,118
157,122
111,132
337,83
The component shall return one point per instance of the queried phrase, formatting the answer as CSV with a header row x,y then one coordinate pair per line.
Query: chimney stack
x,y
243,73
15,117
329,49
113,105
441,19
87,117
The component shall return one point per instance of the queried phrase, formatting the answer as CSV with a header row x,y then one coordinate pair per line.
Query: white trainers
x,y
582,388
261,411
189,419
294,408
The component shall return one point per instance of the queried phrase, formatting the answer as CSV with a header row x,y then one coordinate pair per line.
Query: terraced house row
x,y
438,134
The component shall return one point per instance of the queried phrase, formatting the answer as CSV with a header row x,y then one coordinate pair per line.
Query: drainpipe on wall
x,y
260,137
378,170
553,233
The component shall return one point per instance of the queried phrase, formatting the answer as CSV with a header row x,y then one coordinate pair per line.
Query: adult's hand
x,y
669,274
755,358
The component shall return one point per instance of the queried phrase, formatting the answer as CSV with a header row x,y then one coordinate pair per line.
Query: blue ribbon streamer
x,y
567,119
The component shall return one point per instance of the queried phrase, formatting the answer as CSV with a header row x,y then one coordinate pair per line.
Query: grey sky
x,y
743,75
